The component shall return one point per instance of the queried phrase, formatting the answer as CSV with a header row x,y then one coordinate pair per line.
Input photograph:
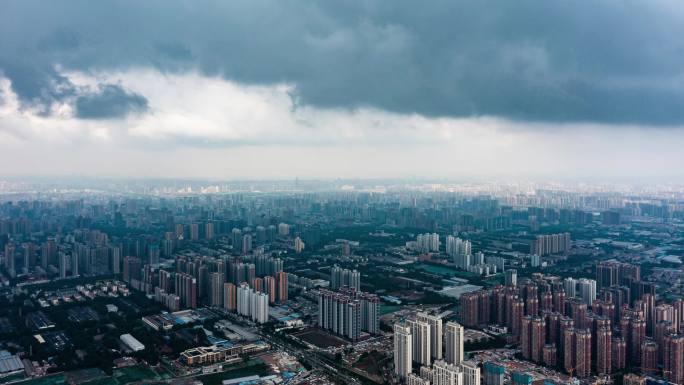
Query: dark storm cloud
x,y
111,101
605,61
36,85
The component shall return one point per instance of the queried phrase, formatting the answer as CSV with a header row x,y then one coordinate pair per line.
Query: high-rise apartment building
x,y
216,292
282,286
511,277
435,323
229,296
604,351
252,304
420,332
403,351
348,312
340,277
471,373
453,342
582,353
673,358
550,244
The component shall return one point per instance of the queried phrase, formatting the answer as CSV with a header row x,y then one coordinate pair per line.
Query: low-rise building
x,y
132,343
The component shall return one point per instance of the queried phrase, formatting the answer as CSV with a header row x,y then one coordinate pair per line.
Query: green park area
x,y
445,271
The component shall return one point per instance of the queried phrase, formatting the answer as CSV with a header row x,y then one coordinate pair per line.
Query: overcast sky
x,y
311,89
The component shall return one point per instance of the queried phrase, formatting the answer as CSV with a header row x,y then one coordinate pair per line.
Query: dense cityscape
x,y
355,192
342,282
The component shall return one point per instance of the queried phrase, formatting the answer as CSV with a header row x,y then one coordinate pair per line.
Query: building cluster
x,y
340,277
239,284
550,244
566,324
479,264
461,253
458,249
435,350
425,243
84,251
348,312
251,303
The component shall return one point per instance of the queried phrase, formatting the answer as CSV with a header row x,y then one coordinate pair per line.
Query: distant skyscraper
x,y
153,254
282,286
9,257
49,253
180,231
283,229
587,290
74,265
229,296
535,260
236,237
460,250
340,277
209,230
216,292
186,289
298,245
270,288
355,280
115,255
550,244
64,260
570,287
511,277
131,269
194,231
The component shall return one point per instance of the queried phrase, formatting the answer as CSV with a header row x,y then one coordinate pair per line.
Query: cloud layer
x,y
360,88
603,61
203,126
